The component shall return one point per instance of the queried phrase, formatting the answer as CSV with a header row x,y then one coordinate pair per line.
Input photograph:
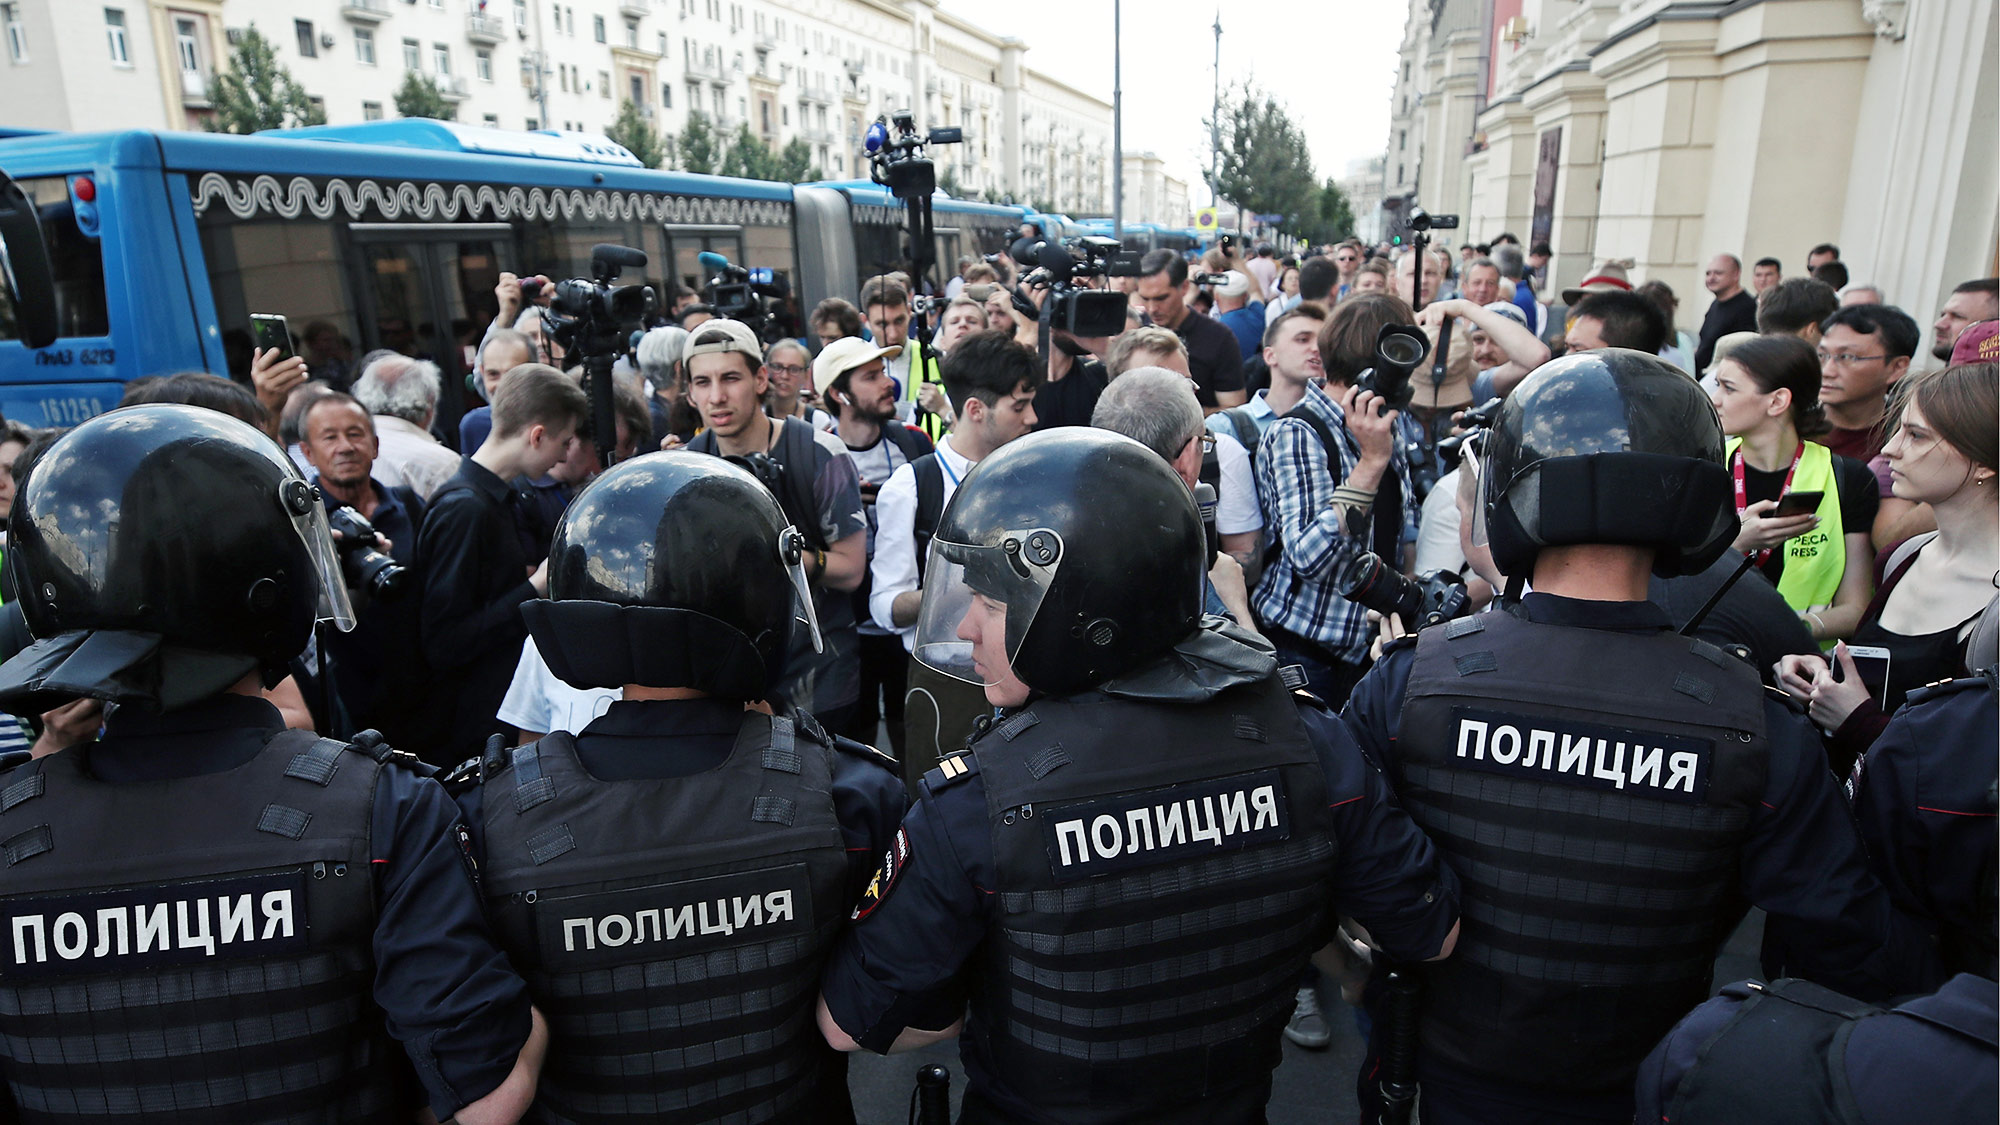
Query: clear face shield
x,y
792,553
979,602
301,502
1472,462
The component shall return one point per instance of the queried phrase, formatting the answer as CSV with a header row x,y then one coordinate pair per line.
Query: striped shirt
x,y
1295,484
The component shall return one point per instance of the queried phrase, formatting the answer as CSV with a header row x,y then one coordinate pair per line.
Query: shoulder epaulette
x,y
1944,687
1780,696
1306,698
370,742
951,770
867,753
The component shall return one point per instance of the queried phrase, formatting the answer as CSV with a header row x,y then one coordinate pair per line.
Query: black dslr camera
x,y
362,565
1399,350
1422,601
1072,306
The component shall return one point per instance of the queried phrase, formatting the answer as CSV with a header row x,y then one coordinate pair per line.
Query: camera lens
x,y
1403,350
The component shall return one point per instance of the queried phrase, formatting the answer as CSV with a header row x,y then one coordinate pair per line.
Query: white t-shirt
x,y
1437,529
1236,509
539,703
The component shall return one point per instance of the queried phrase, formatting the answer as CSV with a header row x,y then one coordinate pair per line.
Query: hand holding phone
x,y
1797,504
271,331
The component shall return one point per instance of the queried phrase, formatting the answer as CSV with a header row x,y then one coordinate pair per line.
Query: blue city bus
x,y
386,234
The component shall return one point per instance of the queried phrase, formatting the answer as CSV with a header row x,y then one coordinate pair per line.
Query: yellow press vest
x,y
1815,561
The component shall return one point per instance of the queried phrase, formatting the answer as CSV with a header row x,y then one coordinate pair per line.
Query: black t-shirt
x,y
1737,314
1752,613
1070,400
1859,497
1215,358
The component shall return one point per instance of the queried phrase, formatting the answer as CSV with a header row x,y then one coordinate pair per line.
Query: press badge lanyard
x,y
1742,500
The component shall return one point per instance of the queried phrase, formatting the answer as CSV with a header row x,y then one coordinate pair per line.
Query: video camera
x,y
1060,267
592,317
1473,425
900,164
1399,349
1422,220
747,295
363,566
1209,278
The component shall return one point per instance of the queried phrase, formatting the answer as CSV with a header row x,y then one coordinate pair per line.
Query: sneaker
x,y
1308,1028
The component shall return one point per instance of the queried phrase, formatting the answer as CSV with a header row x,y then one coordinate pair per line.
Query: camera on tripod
x,y
900,164
1399,349
1073,306
1422,220
747,295
592,317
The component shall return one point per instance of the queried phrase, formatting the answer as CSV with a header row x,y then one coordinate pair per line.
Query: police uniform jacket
x,y
1127,883
213,919
1610,829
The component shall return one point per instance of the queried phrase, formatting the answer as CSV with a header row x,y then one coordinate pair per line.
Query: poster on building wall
x,y
1545,185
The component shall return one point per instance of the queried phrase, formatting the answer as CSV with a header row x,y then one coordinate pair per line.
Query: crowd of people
x,y
817,544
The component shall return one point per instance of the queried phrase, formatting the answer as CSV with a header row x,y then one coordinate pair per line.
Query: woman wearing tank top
x,y
1942,453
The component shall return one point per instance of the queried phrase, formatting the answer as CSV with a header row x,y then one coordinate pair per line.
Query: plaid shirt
x,y
1295,484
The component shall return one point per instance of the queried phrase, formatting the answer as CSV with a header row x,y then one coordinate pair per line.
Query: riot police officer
x,y
1128,868
670,877
1611,794
208,916
1924,795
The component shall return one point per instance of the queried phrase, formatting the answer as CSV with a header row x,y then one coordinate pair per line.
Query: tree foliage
x,y
1332,218
638,135
1266,166
419,96
699,146
257,92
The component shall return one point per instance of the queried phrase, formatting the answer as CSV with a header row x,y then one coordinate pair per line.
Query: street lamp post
x,y
1118,121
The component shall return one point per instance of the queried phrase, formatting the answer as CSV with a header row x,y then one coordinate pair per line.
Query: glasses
x,y
1207,441
1846,359
785,369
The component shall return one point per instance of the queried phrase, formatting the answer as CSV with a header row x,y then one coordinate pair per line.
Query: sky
x,y
1332,64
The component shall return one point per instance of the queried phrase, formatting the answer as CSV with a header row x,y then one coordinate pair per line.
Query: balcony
x,y
454,89
365,11
855,67
818,136
708,70
816,95
634,9
485,29
194,90
766,42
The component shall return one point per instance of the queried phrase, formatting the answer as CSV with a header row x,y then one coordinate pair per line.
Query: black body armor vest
x,y
1592,790
1162,871
672,930
195,949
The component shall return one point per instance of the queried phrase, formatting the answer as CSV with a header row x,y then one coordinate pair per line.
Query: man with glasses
x,y
1863,350
1347,258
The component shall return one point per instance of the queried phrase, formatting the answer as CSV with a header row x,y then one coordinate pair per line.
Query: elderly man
x,y
402,395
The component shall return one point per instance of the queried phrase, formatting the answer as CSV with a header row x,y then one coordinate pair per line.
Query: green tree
x,y
1332,218
749,157
794,163
1266,166
947,181
257,92
418,96
700,148
638,135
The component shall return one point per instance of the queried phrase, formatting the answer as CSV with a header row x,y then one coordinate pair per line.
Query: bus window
x,y
75,259
292,267
686,243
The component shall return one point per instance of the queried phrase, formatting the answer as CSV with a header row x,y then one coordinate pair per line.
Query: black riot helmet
x,y
1092,542
163,553
671,570
1607,446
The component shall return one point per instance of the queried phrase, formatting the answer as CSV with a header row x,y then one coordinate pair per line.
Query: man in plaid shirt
x,y
1328,502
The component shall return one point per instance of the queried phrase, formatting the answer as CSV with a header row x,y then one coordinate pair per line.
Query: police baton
x,y
1399,1046
930,1102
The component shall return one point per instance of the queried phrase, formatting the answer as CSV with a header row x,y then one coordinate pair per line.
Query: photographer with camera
x,y
1215,359
376,671
1334,485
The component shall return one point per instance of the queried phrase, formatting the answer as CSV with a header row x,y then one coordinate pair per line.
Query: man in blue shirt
x,y
1238,313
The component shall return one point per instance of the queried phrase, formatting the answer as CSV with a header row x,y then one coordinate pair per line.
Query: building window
x,y
604,83
438,4
364,46
187,48
632,34
562,76
441,59
533,124
666,95
520,13
572,20
638,90
17,35
663,43
413,55
371,111
482,64
114,34
318,105
597,28
308,47
492,120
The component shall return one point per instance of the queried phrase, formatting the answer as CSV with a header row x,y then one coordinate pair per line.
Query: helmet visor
x,y
309,520
980,601
792,555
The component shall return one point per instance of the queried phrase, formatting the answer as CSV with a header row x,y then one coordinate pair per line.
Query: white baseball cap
x,y
846,354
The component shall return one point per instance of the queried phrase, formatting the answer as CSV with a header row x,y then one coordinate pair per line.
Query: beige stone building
x,y
1666,131
817,70
1152,194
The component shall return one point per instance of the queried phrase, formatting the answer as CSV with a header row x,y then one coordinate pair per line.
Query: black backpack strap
x,y
798,453
930,506
909,439
1246,429
703,442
